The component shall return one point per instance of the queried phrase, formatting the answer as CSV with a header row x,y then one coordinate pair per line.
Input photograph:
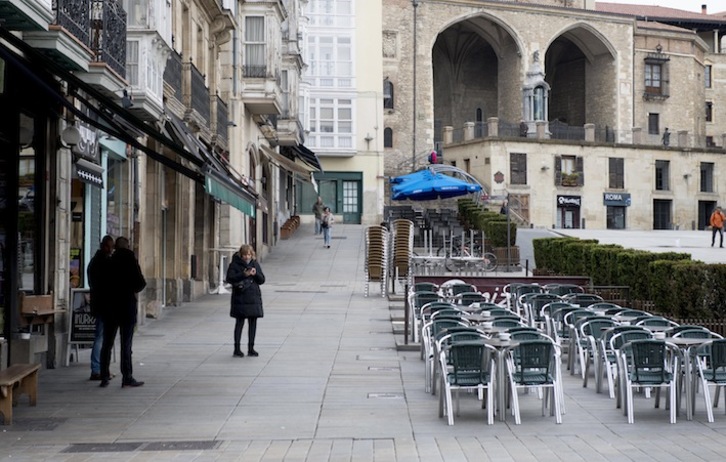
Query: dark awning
x,y
118,122
307,156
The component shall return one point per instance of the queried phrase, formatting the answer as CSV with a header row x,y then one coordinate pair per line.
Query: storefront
x,y
568,212
616,205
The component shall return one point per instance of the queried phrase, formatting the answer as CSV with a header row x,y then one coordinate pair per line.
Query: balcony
x,y
196,96
289,131
173,76
222,122
68,38
261,93
26,15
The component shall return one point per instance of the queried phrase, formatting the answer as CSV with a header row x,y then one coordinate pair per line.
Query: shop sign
x,y
616,199
87,148
569,201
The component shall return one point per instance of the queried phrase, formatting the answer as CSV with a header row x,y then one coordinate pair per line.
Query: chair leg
x,y
629,403
707,399
674,406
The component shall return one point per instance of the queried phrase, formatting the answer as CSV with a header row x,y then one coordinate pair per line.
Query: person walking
x,y
666,137
327,224
716,221
100,281
318,208
246,277
122,314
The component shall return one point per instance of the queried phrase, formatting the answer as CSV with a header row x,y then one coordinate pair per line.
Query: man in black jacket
x,y
127,282
100,281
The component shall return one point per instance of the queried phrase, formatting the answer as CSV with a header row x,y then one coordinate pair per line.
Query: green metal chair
x,y
535,364
712,372
466,365
652,364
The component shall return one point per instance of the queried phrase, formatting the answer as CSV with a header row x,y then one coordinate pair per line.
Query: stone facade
x,y
471,63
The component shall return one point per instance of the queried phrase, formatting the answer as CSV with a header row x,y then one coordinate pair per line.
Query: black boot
x,y
251,351
237,352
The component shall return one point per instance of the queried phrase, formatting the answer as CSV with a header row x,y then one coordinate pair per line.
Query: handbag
x,y
324,224
243,285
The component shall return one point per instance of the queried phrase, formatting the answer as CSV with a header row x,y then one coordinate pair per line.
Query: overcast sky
x,y
714,6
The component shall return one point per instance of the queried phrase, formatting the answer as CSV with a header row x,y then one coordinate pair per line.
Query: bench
x,y
16,380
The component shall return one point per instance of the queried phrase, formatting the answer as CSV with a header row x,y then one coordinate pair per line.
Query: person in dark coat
x,y
122,314
246,277
100,281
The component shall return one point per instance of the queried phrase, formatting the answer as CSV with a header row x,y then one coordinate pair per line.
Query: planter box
x,y
501,254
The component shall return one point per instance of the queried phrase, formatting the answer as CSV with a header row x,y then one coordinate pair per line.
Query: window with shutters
x,y
569,171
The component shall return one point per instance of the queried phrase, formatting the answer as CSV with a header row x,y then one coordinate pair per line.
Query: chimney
x,y
704,9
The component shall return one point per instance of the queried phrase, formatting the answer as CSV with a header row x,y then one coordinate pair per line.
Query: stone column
x,y
448,134
493,126
590,132
637,135
541,127
468,131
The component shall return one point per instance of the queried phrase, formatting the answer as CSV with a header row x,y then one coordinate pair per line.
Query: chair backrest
x,y
634,313
525,335
621,338
425,287
596,327
500,312
534,363
459,334
457,289
470,363
419,299
658,321
583,300
693,333
467,298
673,331
572,317
606,306
563,289
430,308
610,333
715,351
506,322
648,361
448,313
439,325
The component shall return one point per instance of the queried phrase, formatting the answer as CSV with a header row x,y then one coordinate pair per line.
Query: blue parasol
x,y
429,185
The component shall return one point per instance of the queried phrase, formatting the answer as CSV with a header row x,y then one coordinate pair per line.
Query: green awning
x,y
230,193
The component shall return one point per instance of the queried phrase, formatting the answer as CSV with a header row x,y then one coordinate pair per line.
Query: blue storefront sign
x,y
616,199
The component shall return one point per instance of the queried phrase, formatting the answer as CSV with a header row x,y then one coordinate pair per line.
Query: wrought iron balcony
x,y
173,74
108,34
199,97
75,17
222,121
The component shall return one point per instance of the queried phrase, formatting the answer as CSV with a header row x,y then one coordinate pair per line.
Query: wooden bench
x,y
16,380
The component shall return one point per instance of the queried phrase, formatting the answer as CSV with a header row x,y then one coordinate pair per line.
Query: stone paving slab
x,y
329,385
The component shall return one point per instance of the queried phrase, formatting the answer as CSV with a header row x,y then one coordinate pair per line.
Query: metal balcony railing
x,y
200,94
173,74
254,71
75,17
108,34
222,119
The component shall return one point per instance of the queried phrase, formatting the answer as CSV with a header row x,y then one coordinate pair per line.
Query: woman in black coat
x,y
245,275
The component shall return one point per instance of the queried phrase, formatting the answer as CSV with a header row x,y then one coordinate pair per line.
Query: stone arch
x,y
580,66
476,63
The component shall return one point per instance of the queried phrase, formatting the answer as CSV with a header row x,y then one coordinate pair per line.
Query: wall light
x,y
71,136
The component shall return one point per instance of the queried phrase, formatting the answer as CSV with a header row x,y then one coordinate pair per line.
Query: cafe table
x,y
688,347
501,364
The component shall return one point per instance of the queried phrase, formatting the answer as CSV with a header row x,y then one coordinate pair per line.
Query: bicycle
x,y
464,253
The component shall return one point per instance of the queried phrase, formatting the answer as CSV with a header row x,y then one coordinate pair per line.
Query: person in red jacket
x,y
716,221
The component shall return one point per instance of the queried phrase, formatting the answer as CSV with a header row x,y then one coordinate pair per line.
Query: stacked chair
x,y
377,257
402,249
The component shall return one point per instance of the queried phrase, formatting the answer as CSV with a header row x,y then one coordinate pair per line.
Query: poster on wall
x,y
75,268
83,323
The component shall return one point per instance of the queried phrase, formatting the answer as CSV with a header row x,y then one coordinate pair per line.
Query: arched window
x,y
387,94
388,137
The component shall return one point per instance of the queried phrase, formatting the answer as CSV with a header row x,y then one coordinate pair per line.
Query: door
x,y
329,193
662,214
351,201
704,213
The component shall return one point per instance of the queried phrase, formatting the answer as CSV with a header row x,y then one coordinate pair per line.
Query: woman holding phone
x,y
246,277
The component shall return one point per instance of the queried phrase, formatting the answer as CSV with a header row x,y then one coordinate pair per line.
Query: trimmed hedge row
x,y
679,286
494,224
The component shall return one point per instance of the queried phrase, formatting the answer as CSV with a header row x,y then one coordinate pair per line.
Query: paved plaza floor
x,y
329,385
